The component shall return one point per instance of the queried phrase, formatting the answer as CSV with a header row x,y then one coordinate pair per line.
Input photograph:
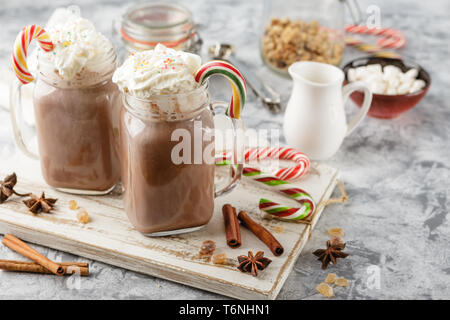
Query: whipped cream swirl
x,y
77,45
160,71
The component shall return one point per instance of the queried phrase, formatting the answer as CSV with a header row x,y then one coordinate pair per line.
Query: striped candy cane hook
x,y
289,173
20,51
233,75
307,203
388,39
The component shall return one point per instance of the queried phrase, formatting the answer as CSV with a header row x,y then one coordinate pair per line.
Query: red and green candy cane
x,y
234,76
306,201
302,162
388,39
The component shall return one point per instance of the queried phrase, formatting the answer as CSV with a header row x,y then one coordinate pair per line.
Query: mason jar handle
x,y
17,119
237,163
23,76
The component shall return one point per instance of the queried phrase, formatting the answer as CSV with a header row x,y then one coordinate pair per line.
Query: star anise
x,y
36,205
331,253
7,188
254,263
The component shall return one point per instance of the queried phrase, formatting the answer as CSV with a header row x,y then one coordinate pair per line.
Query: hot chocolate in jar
x,y
75,103
167,142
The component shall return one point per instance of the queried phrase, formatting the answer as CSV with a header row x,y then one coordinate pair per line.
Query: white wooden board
x,y
110,238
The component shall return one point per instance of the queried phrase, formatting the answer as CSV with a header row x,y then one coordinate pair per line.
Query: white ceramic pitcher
x,y
315,121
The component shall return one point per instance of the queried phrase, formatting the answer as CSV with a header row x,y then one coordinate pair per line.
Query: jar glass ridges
x,y
145,25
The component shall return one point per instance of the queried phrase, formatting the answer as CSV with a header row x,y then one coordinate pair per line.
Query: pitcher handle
x,y
237,162
347,90
17,120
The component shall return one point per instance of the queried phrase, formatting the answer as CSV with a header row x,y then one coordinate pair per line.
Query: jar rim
x,y
143,26
127,18
139,106
106,68
199,89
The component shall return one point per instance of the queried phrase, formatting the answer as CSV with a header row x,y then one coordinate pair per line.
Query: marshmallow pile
x,y
389,80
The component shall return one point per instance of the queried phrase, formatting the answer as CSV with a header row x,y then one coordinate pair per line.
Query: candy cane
x,y
285,212
234,77
390,38
283,153
295,193
19,55
371,48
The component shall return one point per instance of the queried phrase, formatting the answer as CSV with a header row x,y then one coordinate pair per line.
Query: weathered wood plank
x,y
110,238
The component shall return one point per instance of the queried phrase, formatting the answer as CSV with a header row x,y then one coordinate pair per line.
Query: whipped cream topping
x,y
160,71
77,45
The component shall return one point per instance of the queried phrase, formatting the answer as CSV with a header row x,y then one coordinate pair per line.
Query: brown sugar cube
x,y
341,282
83,216
207,248
325,290
336,232
278,229
331,278
73,205
220,258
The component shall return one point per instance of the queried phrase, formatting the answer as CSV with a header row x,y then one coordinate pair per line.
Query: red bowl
x,y
389,106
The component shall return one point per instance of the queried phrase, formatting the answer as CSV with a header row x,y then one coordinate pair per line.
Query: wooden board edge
x,y
129,263
289,265
149,268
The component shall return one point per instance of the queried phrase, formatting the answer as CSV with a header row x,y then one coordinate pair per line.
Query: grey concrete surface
x,y
396,172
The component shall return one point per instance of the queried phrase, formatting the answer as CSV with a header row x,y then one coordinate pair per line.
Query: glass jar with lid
x,y
143,26
311,30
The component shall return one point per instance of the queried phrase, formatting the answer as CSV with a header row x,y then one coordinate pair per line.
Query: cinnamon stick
x,y
232,229
81,268
21,247
262,233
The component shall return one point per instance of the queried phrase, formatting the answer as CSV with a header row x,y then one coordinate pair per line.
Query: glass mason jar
x,y
307,30
77,139
168,161
143,26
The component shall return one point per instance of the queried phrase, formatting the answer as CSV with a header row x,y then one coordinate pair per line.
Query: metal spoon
x,y
269,97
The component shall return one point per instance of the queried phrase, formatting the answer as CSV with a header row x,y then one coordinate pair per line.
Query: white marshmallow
x,y
391,91
374,69
351,75
412,73
388,80
403,88
361,73
420,83
391,70
386,77
393,82
374,78
404,79
377,87
417,85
